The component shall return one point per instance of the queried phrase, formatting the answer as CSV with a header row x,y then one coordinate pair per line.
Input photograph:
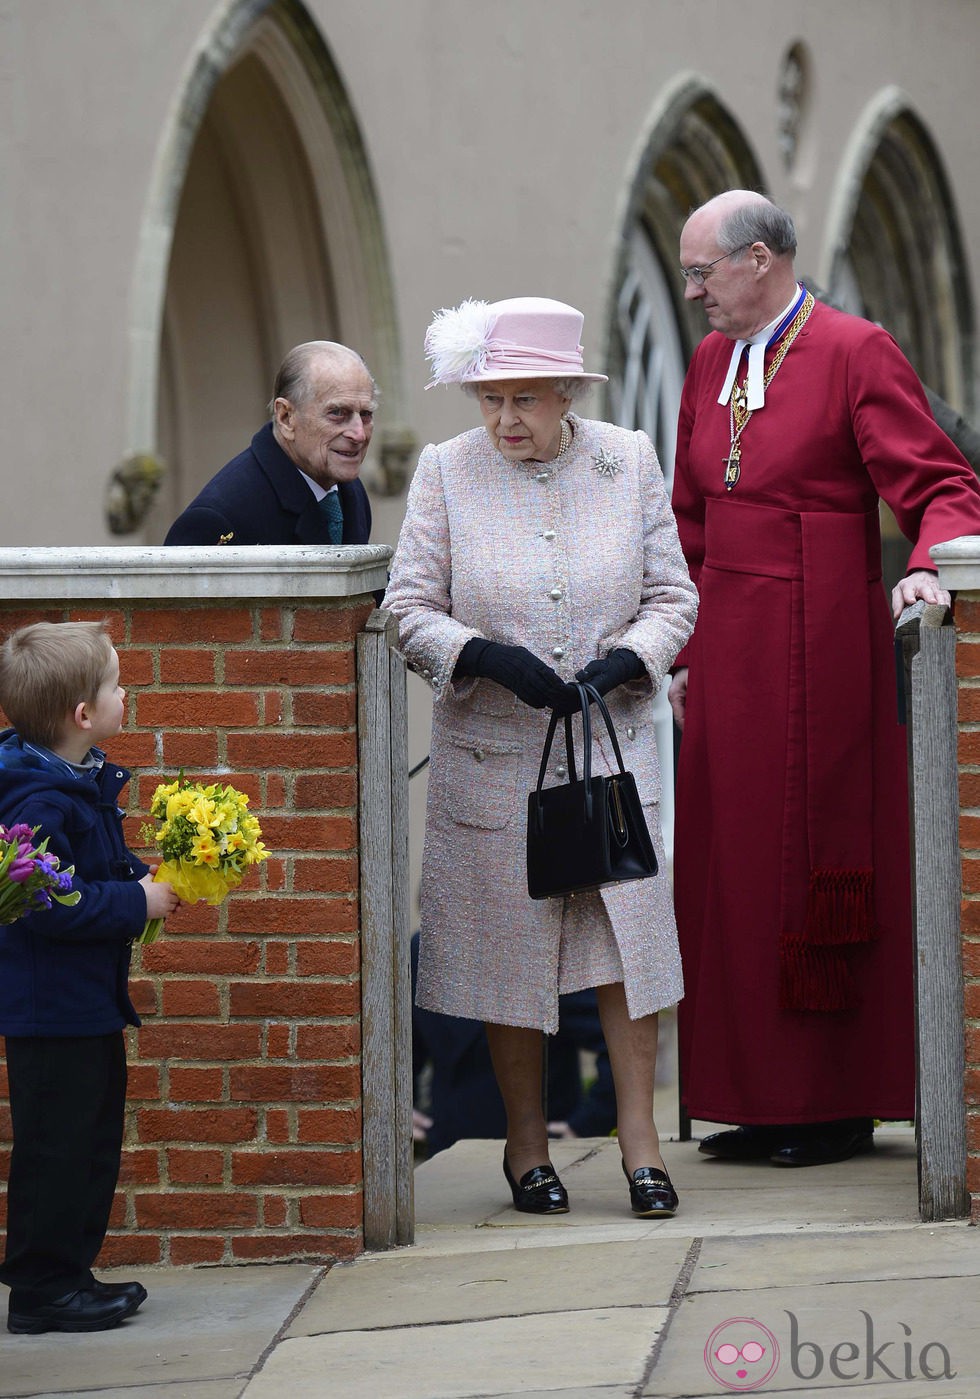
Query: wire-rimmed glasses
x,y
698,274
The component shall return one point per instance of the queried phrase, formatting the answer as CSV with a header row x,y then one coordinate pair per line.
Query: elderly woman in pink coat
x,y
535,549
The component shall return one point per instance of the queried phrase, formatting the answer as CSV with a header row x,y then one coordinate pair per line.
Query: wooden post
x,y
927,639
386,1010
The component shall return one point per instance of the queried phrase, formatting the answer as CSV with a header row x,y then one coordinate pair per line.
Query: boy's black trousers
x,y
67,1104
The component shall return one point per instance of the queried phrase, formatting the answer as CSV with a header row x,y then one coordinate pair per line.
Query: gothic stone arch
x,y
894,251
262,229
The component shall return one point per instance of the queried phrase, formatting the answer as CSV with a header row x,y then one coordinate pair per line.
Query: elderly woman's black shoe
x,y
539,1191
651,1194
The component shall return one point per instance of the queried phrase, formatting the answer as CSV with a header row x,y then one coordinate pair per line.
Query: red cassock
x,y
791,869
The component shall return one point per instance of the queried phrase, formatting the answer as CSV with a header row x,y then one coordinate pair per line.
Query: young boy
x,y
64,977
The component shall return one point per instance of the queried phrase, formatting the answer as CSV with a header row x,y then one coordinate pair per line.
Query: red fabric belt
x,y
759,539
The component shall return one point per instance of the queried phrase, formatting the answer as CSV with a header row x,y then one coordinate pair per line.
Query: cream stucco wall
x,y
502,135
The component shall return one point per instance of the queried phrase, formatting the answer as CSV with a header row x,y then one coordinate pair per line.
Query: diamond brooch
x,y
606,463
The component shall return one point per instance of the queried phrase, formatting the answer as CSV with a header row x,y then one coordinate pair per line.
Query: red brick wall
x,y
243,1136
968,680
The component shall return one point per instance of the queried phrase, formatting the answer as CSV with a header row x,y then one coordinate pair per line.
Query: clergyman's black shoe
x,y
747,1143
651,1194
825,1142
539,1191
136,1290
84,1310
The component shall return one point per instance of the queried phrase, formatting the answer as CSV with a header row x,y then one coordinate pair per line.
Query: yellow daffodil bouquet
x,y
207,839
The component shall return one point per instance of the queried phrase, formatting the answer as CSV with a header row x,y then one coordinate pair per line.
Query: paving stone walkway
x,y
768,1280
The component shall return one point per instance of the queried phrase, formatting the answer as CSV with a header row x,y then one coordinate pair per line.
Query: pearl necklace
x,y
565,441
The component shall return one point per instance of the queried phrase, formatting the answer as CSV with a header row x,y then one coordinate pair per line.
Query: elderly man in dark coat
x,y
298,481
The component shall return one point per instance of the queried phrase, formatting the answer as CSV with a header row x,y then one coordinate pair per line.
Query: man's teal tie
x,y
330,505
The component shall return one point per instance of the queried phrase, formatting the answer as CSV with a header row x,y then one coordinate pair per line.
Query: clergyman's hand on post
x,y
915,586
677,696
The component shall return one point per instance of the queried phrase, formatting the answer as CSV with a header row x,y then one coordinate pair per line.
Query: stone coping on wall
x,y
195,572
958,561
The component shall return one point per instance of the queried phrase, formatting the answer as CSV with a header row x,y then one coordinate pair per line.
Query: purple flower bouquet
x,y
30,878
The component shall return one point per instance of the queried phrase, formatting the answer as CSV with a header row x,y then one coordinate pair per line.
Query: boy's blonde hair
x,y
46,670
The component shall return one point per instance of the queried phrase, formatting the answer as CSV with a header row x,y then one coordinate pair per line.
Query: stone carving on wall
x,y
791,96
399,447
130,491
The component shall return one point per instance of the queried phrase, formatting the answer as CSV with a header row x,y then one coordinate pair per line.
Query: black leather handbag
x,y
589,831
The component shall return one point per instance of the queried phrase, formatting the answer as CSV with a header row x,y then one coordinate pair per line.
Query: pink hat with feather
x,y
526,337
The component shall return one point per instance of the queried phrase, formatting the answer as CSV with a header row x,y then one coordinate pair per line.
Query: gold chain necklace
x,y
738,409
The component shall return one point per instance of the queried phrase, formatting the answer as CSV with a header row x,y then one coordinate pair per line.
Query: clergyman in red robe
x,y
792,881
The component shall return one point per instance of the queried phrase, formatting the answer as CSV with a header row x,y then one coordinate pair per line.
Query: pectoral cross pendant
x,y
732,467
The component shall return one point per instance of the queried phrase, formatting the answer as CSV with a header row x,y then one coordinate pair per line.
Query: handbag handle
x,y
600,704
584,693
569,750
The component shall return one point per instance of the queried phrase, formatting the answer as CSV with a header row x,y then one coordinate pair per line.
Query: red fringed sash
x,y
817,960
815,966
830,559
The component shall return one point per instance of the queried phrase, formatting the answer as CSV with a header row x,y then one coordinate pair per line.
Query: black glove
x,y
612,670
518,670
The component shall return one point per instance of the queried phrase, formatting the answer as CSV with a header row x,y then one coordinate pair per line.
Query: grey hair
x,y
293,380
570,387
758,222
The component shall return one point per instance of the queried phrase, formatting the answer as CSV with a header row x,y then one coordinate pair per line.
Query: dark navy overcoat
x,y
260,497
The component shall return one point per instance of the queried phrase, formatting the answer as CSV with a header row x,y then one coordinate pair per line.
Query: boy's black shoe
x,y
85,1310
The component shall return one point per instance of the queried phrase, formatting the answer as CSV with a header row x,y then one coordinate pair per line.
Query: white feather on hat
x,y
457,342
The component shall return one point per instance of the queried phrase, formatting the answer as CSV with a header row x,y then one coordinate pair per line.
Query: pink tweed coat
x,y
569,560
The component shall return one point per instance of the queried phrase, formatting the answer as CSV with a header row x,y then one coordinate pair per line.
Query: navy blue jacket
x,y
260,497
65,971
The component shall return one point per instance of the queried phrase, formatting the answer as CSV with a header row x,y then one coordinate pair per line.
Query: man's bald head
x,y
737,218
737,255
307,362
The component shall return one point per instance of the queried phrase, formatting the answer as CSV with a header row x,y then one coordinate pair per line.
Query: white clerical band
x,y
756,346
